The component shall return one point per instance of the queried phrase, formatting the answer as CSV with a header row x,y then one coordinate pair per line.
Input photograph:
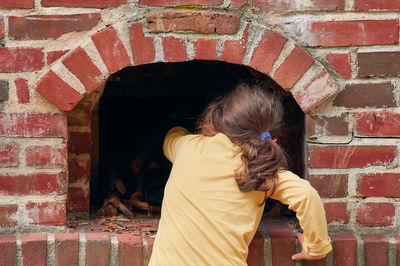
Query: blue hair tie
x,y
265,136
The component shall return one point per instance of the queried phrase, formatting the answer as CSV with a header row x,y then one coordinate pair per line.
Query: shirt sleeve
x,y
172,142
305,201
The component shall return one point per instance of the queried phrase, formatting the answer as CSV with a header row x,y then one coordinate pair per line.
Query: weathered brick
x,y
205,49
239,3
341,63
79,63
45,156
234,51
8,250
314,5
366,95
32,125
21,59
45,213
22,88
202,22
180,2
376,250
4,90
379,185
376,214
84,3
377,124
81,115
143,49
58,92
66,248
1,28
42,27
129,249
318,126
283,243
9,155
17,3
34,249
362,5
8,215
78,199
378,64
30,184
267,51
111,49
330,186
337,212
344,249
174,49
256,251
78,169
98,248
350,156
270,5
79,142
354,32
54,55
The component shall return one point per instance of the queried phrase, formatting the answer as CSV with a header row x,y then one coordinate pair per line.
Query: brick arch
x,y
113,48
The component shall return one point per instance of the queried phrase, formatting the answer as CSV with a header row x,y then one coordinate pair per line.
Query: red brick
x,y
267,51
32,125
376,250
37,183
66,248
45,156
98,249
330,186
376,5
8,250
318,126
283,243
234,51
275,5
80,64
174,49
44,27
377,124
84,3
58,92
78,169
21,59
9,155
378,64
376,214
79,142
1,28
78,199
180,2
129,249
256,251
341,63
45,213
34,249
143,49
54,55
201,22
205,49
81,115
379,185
293,68
238,3
316,92
111,49
397,240
17,3
354,32
350,156
337,212
8,215
344,249
22,88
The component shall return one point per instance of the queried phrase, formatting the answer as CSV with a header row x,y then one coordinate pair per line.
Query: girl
x,y
220,179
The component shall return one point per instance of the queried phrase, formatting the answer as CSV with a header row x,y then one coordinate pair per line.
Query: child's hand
x,y
303,255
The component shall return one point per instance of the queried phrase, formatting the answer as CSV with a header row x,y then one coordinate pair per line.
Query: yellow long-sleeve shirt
x,y
207,220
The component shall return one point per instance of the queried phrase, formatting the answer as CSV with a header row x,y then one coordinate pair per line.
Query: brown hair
x,y
243,116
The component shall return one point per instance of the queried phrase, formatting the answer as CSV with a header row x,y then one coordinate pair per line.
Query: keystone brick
x,y
17,3
34,249
202,22
98,243
180,2
78,169
293,68
9,155
283,243
366,95
205,49
379,185
376,214
174,49
354,32
330,186
376,250
49,26
58,92
45,213
234,51
80,64
111,49
54,55
377,124
22,88
267,51
66,248
1,28
19,59
84,3
376,5
32,125
350,156
129,249
256,251
337,212
45,156
341,63
78,199
143,49
378,64
8,215
8,250
318,126
344,249
37,183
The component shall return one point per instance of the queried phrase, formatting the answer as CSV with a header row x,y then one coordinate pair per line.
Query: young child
x,y
220,179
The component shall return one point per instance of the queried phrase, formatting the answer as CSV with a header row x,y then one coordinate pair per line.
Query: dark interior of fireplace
x,y
141,103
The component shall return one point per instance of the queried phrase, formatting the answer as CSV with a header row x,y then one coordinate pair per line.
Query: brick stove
x,y
338,60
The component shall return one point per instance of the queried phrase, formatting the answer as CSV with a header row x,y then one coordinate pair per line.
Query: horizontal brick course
x,y
37,183
330,186
45,156
378,64
337,212
180,2
377,124
362,5
8,215
274,5
9,155
379,185
84,3
17,3
319,126
45,213
21,59
376,214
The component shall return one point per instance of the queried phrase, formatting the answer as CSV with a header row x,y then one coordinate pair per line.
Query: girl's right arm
x,y
173,140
